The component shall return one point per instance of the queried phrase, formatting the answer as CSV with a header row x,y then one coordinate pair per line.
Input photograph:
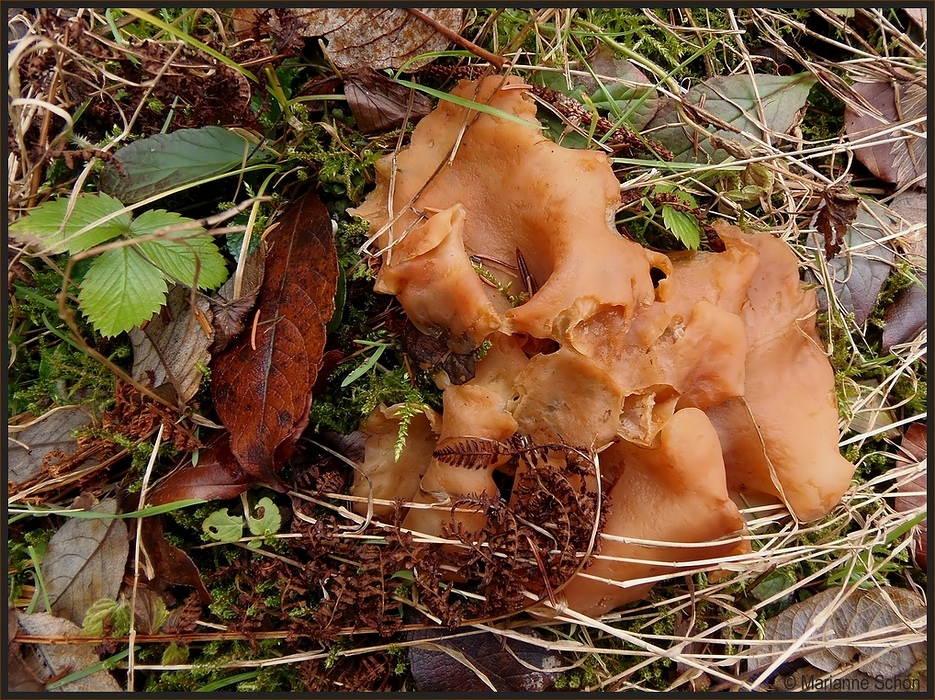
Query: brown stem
x,y
493,59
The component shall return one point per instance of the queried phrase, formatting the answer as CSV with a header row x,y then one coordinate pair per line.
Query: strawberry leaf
x,y
43,225
121,290
182,256
683,226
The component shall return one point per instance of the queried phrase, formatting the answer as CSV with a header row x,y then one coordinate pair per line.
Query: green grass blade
x,y
468,104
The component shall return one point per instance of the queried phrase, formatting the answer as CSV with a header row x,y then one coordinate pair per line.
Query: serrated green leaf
x,y
43,225
683,226
268,520
175,654
97,615
179,254
223,527
164,161
121,290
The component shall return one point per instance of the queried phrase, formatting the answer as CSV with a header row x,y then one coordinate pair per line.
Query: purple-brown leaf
x,y
474,663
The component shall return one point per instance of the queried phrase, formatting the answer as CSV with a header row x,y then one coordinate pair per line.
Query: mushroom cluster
x,y
699,378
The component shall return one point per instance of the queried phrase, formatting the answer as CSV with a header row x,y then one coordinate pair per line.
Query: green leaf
x,y
738,101
269,520
635,103
223,527
121,290
683,226
164,161
43,225
175,654
180,253
97,615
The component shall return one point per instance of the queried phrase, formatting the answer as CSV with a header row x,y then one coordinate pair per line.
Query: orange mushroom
x,y
707,384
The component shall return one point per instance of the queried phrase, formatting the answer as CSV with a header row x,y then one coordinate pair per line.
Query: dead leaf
x,y
906,317
918,15
861,617
859,275
902,162
47,439
171,565
48,661
373,37
262,384
912,208
381,104
216,476
85,561
914,494
837,214
480,662
228,314
888,607
173,345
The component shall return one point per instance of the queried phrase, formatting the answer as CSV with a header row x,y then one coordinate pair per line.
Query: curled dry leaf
x,y
262,384
45,441
216,476
902,162
837,213
173,346
374,37
84,562
50,661
381,104
228,313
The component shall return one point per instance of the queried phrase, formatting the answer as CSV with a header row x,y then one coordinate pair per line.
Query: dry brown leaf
x,y
912,208
49,438
229,313
861,618
48,661
913,495
902,162
173,345
85,561
381,104
837,214
355,37
919,15
262,384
